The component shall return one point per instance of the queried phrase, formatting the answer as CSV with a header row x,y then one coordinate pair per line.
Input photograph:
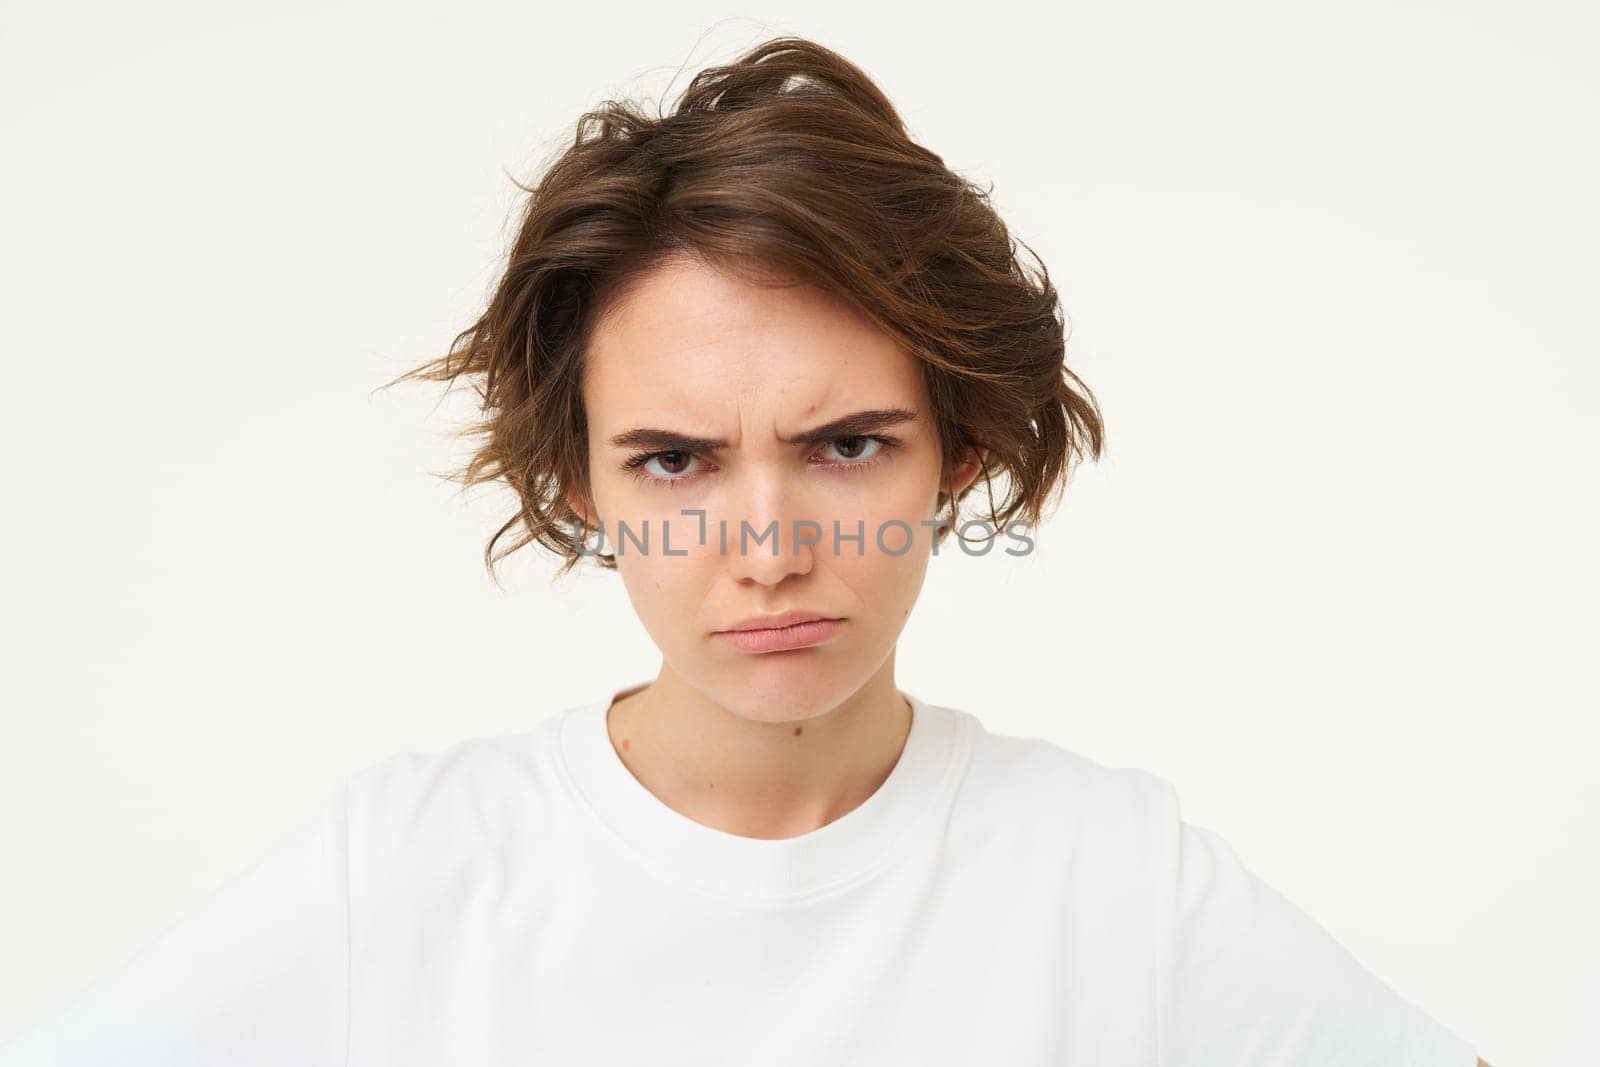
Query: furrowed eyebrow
x,y
855,424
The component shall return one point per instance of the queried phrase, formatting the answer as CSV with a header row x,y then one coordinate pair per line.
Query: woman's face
x,y
698,354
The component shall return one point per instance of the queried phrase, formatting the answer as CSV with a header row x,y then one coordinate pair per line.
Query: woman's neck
x,y
755,778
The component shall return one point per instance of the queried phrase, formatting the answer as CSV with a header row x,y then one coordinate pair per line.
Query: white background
x,y
1331,273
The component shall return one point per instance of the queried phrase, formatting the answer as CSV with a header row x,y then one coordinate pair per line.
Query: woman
x,y
763,348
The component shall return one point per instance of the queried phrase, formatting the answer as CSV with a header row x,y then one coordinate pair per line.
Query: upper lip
x,y
772,622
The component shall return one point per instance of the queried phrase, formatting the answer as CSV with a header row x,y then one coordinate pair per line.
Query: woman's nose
x,y
771,533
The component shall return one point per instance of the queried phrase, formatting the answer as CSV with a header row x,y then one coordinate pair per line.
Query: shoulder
x,y
1042,784
1038,768
1080,842
480,786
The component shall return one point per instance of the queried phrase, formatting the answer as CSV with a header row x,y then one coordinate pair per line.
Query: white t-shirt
x,y
525,900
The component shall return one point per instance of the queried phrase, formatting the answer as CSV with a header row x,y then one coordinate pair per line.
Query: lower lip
x,y
799,635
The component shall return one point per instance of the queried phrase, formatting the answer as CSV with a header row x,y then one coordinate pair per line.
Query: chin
x,y
800,688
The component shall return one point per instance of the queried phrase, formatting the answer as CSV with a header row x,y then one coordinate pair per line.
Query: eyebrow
x,y
855,424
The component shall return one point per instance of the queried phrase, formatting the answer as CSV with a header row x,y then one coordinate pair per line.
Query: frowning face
x,y
783,415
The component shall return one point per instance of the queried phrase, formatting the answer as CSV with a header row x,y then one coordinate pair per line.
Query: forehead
x,y
689,339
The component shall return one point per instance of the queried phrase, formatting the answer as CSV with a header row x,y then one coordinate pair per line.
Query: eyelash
x,y
636,463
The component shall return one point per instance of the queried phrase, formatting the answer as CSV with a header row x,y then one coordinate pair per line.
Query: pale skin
x,y
776,744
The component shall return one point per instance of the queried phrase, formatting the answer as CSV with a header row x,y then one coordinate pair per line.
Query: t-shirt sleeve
x,y
1246,978
258,974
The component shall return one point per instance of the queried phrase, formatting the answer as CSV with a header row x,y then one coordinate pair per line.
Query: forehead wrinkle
x,y
821,389
691,395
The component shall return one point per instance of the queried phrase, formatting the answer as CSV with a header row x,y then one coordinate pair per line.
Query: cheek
x,y
666,591
894,513
887,567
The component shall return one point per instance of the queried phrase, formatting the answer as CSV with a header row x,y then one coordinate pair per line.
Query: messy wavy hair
x,y
788,164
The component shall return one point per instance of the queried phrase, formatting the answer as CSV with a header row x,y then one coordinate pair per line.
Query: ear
x,y
964,473
578,504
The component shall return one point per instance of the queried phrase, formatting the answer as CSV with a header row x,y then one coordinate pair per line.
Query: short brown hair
x,y
786,164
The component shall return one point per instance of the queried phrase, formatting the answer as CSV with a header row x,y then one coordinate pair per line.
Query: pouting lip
x,y
773,622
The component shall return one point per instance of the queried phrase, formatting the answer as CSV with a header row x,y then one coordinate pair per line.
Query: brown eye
x,y
662,468
849,449
850,453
